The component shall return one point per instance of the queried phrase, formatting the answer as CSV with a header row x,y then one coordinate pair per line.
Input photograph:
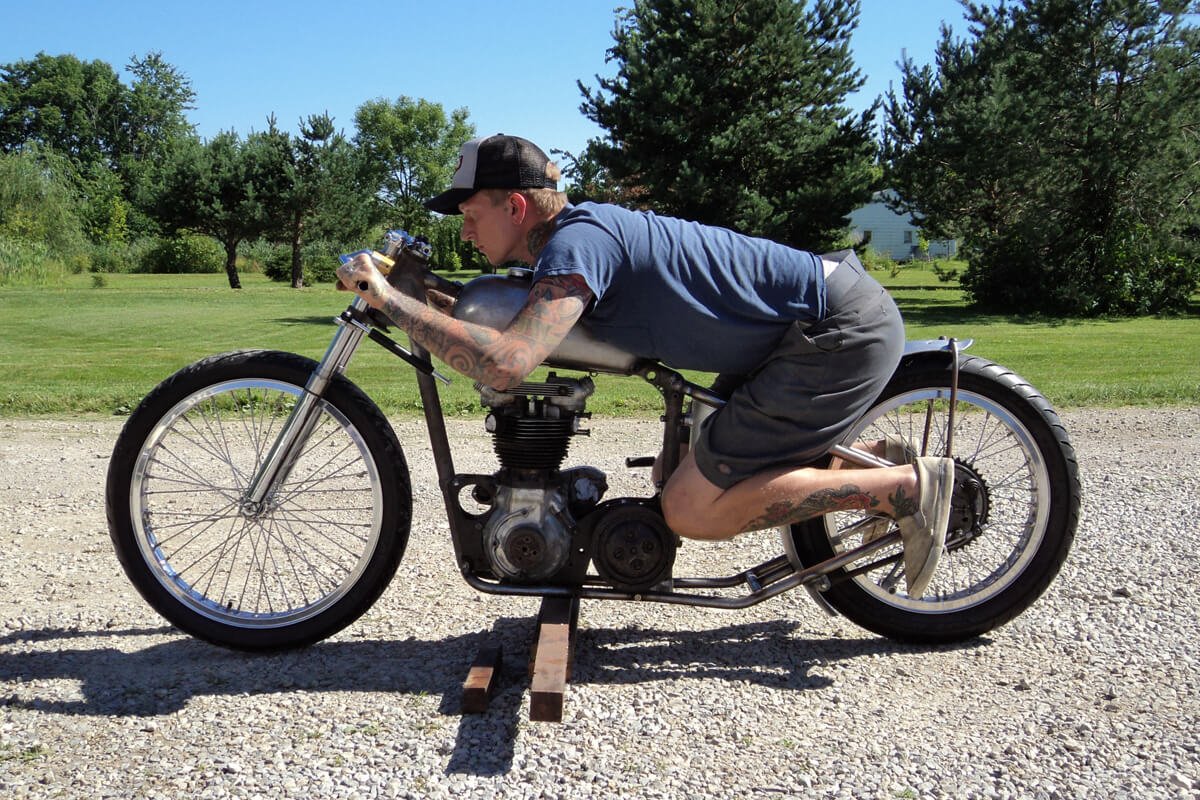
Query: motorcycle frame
x,y
763,581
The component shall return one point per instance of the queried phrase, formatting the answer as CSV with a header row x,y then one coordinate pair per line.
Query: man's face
x,y
491,228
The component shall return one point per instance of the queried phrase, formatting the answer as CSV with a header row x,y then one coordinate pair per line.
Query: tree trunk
x,y
231,265
297,267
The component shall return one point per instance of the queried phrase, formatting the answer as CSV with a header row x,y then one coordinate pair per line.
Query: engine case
x,y
528,535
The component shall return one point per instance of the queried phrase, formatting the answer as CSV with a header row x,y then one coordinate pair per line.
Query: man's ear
x,y
518,206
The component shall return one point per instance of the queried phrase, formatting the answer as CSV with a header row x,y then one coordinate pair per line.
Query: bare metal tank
x,y
493,300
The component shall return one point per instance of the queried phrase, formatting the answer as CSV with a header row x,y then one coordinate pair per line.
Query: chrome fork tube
x,y
300,423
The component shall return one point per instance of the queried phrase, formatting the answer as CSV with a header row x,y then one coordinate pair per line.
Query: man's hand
x,y
359,275
408,275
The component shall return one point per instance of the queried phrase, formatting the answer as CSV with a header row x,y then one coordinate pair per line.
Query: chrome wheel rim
x,y
992,447
264,565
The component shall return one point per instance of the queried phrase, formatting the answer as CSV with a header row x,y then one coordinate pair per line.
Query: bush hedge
x,y
184,254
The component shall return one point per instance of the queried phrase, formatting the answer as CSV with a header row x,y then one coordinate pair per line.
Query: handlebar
x,y
401,246
413,252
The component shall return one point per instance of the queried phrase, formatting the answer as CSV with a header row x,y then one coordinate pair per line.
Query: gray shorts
x,y
804,397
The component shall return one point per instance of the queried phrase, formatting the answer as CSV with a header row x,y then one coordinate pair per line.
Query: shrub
x,y
111,257
1122,272
944,274
875,262
37,206
321,261
276,260
29,264
318,259
188,253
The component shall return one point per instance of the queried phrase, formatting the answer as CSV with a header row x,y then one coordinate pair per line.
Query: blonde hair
x,y
546,202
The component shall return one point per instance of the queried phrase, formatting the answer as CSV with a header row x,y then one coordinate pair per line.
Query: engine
x,y
546,524
529,535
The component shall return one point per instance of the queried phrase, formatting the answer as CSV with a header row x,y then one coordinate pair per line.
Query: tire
x,y
1015,508
319,552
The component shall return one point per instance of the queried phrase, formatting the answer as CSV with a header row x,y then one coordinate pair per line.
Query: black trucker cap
x,y
494,162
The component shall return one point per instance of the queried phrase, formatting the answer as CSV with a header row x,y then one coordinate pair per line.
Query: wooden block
x,y
481,680
552,658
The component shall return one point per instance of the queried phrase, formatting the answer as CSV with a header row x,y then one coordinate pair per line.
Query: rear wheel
x,y
296,568
1015,508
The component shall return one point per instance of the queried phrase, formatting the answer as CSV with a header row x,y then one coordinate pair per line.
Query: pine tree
x,y
731,112
1060,141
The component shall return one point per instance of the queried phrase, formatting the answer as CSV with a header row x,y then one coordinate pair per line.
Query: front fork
x,y
300,423
352,327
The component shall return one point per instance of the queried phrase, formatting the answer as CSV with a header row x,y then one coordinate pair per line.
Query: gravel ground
x,y
1094,692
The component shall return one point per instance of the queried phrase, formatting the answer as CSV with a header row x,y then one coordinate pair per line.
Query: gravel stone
x,y
1093,692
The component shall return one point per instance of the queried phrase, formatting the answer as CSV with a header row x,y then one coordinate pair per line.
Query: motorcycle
x,y
261,501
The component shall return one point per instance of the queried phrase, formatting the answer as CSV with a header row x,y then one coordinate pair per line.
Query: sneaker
x,y
897,451
924,533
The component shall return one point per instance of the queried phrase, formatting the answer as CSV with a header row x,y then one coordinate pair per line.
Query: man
x,y
805,343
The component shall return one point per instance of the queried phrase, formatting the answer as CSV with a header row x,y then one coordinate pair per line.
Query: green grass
x,y
1105,362
84,348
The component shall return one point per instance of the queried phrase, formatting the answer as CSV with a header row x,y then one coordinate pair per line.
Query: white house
x,y
894,235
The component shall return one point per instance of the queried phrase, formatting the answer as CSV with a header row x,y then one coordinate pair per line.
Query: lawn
x,y
85,348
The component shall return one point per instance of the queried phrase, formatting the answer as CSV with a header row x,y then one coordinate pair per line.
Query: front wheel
x,y
294,569
1014,512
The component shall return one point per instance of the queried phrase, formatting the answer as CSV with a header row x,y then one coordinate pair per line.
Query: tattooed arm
x,y
496,358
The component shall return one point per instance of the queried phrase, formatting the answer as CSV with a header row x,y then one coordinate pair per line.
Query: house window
x,y
908,237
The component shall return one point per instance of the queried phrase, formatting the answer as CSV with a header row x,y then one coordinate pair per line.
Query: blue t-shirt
x,y
689,295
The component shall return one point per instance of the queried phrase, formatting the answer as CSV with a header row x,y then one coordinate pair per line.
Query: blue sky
x,y
513,64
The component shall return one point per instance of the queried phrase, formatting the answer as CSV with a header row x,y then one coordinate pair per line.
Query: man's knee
x,y
689,503
676,512
691,516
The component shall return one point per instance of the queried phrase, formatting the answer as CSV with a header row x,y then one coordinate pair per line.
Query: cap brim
x,y
447,202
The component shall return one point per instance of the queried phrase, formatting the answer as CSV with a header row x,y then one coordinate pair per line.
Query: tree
x,y
154,109
311,182
155,124
330,197
111,136
231,189
63,104
413,147
732,112
588,180
1060,141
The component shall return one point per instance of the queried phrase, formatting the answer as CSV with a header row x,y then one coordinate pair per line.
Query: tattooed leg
x,y
696,508
848,497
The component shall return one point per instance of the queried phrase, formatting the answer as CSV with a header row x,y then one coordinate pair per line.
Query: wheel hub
x,y
252,510
970,505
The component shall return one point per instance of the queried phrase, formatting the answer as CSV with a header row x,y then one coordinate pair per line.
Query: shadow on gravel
x,y
161,678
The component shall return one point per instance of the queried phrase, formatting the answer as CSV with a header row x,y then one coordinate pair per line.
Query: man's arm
x,y
501,359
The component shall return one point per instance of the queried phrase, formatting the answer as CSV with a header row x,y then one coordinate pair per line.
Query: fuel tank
x,y
493,300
